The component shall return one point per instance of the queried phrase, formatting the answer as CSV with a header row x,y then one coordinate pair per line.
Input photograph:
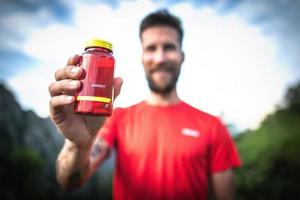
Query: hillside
x,y
270,154
29,146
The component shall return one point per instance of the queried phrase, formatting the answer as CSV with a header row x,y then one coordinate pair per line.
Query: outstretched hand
x,y
79,129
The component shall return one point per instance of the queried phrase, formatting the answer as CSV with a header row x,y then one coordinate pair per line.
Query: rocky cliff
x,y
29,146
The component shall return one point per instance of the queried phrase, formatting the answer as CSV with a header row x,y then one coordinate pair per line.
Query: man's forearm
x,y
223,185
72,166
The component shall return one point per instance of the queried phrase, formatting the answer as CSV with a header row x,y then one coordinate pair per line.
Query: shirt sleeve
x,y
109,130
223,154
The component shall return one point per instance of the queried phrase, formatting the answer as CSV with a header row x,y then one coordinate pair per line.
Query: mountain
x,y
26,129
29,146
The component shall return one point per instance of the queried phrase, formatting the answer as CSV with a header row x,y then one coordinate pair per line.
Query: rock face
x,y
41,135
29,146
11,116
24,129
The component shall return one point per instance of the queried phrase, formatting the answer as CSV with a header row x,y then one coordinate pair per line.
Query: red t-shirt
x,y
166,152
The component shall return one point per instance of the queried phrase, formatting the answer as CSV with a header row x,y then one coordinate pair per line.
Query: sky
x,y
240,55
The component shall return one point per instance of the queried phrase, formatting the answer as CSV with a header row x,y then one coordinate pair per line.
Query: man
x,y
165,149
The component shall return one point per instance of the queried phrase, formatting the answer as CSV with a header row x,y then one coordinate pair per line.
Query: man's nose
x,y
160,56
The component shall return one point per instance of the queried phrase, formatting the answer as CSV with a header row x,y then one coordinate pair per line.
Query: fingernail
x,y
75,70
68,98
73,83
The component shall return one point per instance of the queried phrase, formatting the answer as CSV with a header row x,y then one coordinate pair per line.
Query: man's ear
x,y
182,56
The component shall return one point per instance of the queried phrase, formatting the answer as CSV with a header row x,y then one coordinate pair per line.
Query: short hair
x,y
162,18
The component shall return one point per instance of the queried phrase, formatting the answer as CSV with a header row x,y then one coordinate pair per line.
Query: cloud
x,y
230,67
280,19
18,20
58,8
60,41
9,65
219,5
236,51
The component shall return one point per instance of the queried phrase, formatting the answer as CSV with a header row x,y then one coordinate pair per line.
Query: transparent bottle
x,y
95,96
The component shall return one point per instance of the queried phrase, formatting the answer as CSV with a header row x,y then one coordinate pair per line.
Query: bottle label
x,y
96,93
93,98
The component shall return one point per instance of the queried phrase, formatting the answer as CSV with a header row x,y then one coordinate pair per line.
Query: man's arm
x,y
75,165
76,162
223,185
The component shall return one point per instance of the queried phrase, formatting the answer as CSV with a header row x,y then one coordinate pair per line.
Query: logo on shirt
x,y
190,132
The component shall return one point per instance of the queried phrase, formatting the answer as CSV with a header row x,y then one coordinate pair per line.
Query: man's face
x,y
162,58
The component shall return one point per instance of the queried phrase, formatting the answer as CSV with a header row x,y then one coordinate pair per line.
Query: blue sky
x,y
241,55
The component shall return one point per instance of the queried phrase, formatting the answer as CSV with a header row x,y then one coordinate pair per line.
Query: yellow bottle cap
x,y
98,43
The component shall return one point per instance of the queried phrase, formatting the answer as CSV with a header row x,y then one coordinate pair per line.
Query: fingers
x,y
67,82
73,60
118,82
66,86
68,72
71,71
57,103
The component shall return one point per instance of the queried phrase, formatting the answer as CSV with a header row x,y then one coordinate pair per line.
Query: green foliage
x,y
293,97
22,175
270,157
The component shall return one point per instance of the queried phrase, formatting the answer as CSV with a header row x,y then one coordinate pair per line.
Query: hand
x,y
79,129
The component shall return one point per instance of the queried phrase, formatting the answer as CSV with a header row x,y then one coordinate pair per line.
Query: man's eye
x,y
169,47
150,48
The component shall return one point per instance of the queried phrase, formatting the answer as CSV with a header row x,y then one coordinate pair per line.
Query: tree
x,y
292,97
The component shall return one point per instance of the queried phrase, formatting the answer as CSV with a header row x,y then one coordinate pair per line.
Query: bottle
x,y
95,96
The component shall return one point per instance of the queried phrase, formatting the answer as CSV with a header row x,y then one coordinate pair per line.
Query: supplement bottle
x,y
95,96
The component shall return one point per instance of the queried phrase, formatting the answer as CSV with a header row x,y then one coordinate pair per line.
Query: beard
x,y
168,86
